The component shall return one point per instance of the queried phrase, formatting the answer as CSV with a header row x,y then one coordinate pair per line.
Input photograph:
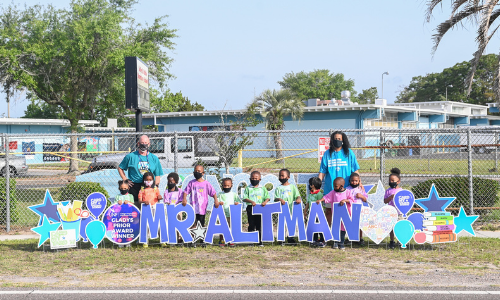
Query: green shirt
x,y
289,193
311,198
127,197
228,199
256,194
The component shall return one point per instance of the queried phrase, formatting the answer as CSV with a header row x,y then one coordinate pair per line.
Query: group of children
x,y
255,194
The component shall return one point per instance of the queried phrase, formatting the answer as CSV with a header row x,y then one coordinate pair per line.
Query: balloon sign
x,y
96,203
122,223
403,230
418,220
404,201
95,231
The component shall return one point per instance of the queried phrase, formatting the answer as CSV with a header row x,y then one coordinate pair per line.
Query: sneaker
x,y
321,244
120,246
180,241
282,243
231,244
335,245
392,245
144,245
342,248
221,243
290,240
361,243
260,244
163,245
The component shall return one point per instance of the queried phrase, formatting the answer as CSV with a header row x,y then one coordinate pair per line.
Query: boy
x,y
287,193
255,195
227,198
314,195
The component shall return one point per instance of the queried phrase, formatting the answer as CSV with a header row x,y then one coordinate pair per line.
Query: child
x,y
359,195
173,195
149,195
394,181
342,196
124,196
254,195
314,195
199,189
227,198
287,193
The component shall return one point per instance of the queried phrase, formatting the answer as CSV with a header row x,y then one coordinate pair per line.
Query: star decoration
x,y
45,229
377,199
47,208
464,222
434,202
198,232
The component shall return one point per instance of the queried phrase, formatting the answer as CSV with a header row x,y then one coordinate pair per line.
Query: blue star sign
x,y
434,202
464,222
47,208
45,229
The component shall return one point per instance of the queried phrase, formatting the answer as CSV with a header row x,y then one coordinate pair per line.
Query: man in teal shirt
x,y
137,163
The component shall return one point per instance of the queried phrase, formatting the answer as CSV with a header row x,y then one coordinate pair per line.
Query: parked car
x,y
17,165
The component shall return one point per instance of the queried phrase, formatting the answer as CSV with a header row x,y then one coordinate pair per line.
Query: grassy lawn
x,y
474,260
407,166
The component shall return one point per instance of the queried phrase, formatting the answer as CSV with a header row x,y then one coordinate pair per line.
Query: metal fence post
x,y
381,156
7,184
469,166
176,152
496,151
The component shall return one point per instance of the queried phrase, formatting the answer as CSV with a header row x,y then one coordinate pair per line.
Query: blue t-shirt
x,y
137,165
337,165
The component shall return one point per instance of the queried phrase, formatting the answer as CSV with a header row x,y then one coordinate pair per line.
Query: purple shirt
x,y
199,192
389,192
174,197
355,191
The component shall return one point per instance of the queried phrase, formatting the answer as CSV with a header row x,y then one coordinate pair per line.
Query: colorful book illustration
x,y
439,218
436,214
438,232
438,227
440,222
441,238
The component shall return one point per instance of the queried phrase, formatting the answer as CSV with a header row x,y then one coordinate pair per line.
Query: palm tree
x,y
481,13
274,106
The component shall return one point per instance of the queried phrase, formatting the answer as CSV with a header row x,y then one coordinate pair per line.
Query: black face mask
x,y
170,185
197,175
354,185
337,143
339,190
143,147
393,185
123,192
226,190
283,180
254,182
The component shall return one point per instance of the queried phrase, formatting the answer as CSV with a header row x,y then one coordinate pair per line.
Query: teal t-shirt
x,y
289,193
256,194
127,197
228,199
137,165
336,165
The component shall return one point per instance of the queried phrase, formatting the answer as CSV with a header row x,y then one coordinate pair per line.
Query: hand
x,y
318,201
216,204
120,202
127,202
263,204
364,200
298,201
130,183
253,203
391,197
184,202
221,202
283,202
236,203
342,202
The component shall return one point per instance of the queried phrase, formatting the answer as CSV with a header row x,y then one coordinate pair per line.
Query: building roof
x,y
55,122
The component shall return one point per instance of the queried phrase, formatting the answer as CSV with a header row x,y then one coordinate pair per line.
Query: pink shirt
x,y
174,197
389,192
199,192
336,197
355,191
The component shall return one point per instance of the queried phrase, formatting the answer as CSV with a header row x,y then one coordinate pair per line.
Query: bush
x,y
485,191
80,191
14,214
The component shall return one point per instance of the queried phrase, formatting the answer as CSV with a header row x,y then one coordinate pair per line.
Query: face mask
x,y
337,143
170,185
339,190
226,190
123,192
197,175
283,180
354,185
393,185
148,183
143,147
254,182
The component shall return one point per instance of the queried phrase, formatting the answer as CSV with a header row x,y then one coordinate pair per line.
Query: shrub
x,y
80,191
485,191
14,214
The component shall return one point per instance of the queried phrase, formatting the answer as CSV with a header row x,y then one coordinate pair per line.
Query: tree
x,y
38,109
317,84
74,58
170,102
274,106
435,86
481,14
368,95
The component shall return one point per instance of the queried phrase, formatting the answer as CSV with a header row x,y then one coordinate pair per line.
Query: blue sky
x,y
228,50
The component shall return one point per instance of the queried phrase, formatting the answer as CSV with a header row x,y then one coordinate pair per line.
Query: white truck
x,y
164,148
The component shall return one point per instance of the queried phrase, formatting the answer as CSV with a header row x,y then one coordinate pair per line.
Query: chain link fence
x,y
461,162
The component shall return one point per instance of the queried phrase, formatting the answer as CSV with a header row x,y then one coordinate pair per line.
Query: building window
x,y
409,125
389,120
448,124
458,110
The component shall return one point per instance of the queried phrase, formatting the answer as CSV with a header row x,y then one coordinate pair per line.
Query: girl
x,y
149,195
360,196
227,198
124,196
287,193
394,182
255,194
173,195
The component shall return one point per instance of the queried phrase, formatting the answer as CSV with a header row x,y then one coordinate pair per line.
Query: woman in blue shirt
x,y
338,161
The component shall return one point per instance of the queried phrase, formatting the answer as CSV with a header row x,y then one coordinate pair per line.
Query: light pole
x,y
447,91
385,73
